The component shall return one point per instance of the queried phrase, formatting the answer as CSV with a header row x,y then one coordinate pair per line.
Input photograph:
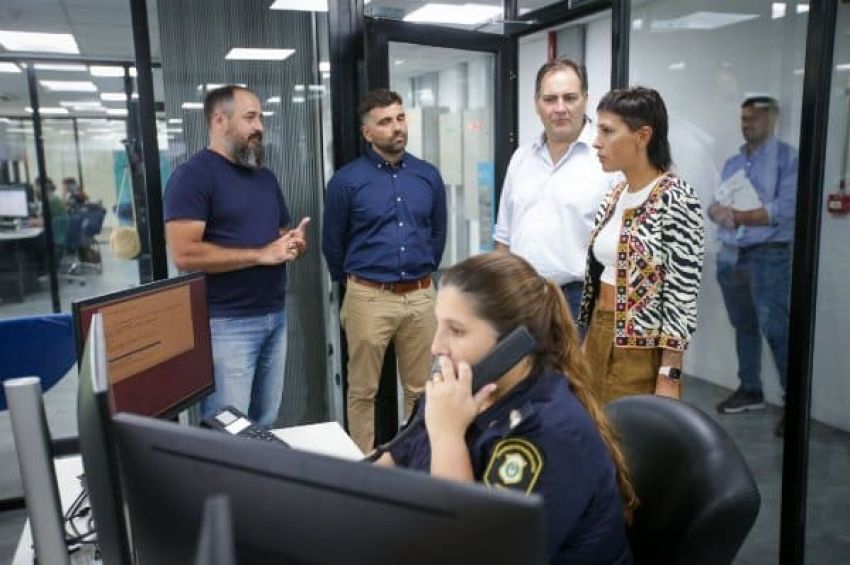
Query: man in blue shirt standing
x,y
383,235
225,215
754,262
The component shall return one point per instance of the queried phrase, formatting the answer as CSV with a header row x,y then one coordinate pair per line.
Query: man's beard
x,y
250,154
391,147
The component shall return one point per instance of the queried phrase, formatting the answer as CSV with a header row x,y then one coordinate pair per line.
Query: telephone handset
x,y
507,352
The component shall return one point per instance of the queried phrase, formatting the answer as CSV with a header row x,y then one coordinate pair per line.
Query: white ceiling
x,y
102,30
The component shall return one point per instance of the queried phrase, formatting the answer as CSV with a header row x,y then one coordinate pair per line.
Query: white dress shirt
x,y
547,210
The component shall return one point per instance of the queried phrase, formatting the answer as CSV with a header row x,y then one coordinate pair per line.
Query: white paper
x,y
738,193
327,438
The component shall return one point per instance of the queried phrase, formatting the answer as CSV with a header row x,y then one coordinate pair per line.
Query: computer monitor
x,y
290,506
13,201
157,336
97,448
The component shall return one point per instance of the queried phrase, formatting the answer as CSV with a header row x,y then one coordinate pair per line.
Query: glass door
x,y
458,89
455,86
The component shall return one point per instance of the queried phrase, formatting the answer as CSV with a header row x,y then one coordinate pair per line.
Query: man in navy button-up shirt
x,y
384,232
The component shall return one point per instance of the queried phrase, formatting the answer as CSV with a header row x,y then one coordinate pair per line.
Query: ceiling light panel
x,y
257,54
39,42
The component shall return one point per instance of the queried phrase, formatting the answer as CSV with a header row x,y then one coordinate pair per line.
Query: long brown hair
x,y
506,291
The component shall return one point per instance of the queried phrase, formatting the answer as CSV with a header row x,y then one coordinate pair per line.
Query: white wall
x,y
532,54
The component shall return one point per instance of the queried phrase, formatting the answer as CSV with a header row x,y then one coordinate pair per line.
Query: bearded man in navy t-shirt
x,y
225,215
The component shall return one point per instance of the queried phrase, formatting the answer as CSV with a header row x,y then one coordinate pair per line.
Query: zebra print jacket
x,y
659,268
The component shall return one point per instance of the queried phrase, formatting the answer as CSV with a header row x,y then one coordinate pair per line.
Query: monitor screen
x,y
13,201
157,336
290,506
97,449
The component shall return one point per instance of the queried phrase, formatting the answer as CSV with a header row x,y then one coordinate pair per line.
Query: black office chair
x,y
698,497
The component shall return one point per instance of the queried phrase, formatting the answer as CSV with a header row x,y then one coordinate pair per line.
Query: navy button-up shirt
x,y
382,222
578,482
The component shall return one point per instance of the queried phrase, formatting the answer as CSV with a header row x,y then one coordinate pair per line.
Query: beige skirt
x,y
617,371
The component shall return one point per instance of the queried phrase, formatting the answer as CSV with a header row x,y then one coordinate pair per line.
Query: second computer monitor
x,y
159,356
13,201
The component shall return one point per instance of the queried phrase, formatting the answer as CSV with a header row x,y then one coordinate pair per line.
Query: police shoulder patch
x,y
515,463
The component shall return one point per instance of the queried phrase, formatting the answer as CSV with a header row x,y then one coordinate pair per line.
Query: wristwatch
x,y
673,373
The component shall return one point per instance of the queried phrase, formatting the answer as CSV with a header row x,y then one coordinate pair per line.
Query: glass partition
x,y
706,61
827,521
448,96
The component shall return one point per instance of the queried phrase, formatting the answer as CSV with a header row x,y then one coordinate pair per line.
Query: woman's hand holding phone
x,y
450,406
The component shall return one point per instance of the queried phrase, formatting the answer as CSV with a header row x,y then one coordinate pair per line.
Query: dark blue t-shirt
x,y
539,438
242,208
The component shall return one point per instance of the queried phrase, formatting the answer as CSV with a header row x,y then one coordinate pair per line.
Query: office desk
x,y
327,438
15,237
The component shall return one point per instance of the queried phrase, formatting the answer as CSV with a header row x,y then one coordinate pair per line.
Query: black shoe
x,y
779,430
741,401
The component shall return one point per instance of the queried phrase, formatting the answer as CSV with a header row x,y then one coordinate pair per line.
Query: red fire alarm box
x,y
839,203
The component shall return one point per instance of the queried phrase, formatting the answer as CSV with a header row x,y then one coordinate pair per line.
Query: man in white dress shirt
x,y
555,184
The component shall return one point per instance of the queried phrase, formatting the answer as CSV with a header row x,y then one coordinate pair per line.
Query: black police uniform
x,y
539,438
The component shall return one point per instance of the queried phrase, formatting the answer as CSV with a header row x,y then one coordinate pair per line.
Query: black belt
x,y
767,245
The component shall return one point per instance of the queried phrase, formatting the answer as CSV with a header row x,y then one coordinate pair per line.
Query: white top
x,y
547,210
605,244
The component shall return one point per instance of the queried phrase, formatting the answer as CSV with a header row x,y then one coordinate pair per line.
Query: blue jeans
x,y
572,292
755,282
248,359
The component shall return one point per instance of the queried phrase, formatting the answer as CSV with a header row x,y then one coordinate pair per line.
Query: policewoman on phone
x,y
538,428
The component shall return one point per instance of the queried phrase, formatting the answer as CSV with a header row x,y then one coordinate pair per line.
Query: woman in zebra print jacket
x,y
644,264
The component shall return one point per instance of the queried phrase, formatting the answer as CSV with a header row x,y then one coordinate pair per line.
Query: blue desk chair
x,y
40,346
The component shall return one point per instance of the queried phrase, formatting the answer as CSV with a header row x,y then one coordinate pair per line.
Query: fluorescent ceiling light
x,y
637,24
798,72
257,54
175,120
192,105
777,10
299,88
465,14
802,8
60,67
174,130
843,67
273,100
40,42
300,5
116,111
324,66
109,71
677,66
316,87
268,114
298,99
213,86
83,105
701,20
398,62
69,85
9,68
47,110
116,96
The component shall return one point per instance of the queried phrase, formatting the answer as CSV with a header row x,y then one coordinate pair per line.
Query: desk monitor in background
x,y
290,506
13,201
98,451
157,336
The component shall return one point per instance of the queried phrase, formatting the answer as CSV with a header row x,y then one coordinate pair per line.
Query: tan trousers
x,y
371,318
617,371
